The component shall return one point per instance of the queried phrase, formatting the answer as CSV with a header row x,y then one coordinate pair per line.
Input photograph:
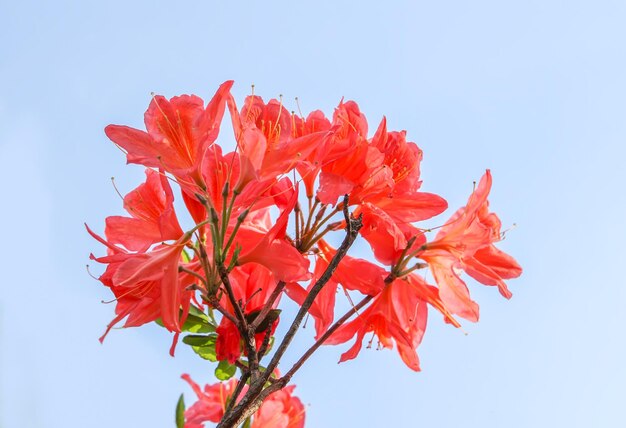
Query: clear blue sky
x,y
534,90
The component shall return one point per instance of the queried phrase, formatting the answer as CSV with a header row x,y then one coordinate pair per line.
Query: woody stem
x,y
244,329
329,332
256,393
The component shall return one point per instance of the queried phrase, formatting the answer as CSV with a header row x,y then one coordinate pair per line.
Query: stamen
x,y
116,189
504,232
91,275
298,105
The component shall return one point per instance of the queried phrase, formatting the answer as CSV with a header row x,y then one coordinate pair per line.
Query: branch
x,y
330,331
268,305
238,389
352,229
256,394
325,336
244,329
222,310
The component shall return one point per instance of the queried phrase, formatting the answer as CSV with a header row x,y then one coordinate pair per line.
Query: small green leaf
x,y
197,340
225,370
196,322
197,312
206,352
180,412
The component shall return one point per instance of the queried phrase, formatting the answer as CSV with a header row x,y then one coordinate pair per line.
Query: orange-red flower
x,y
466,242
179,131
280,409
152,216
211,404
252,285
397,314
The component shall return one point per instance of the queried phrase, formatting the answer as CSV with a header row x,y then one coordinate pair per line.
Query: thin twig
x,y
268,305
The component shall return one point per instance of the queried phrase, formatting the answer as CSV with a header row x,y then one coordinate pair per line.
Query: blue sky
x,y
534,90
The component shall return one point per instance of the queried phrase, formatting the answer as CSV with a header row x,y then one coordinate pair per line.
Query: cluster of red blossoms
x,y
263,214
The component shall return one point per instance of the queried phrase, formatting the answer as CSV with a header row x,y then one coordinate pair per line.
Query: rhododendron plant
x,y
265,215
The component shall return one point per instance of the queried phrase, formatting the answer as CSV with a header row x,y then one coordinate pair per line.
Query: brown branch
x,y
256,394
325,336
354,310
266,341
242,325
352,229
268,305
213,301
240,385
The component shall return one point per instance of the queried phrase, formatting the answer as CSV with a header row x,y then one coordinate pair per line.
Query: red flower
x,y
252,285
280,410
211,404
352,273
466,242
179,132
267,145
395,315
267,246
147,286
152,216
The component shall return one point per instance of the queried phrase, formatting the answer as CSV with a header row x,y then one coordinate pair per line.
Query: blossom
x,y
352,273
252,284
265,244
211,404
267,146
179,130
280,410
397,315
152,216
147,286
466,242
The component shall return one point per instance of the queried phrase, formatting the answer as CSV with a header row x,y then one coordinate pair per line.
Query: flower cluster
x,y
264,216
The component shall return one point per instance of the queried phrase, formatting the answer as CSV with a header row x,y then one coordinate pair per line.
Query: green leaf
x,y
207,348
206,352
225,370
197,312
196,322
247,423
180,412
198,340
186,256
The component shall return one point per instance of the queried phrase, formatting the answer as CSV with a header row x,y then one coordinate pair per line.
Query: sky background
x,y
533,90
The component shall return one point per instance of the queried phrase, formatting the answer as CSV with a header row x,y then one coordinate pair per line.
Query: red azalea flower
x,y
147,286
466,242
267,146
151,206
397,314
211,404
252,285
280,410
268,246
179,132
352,273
